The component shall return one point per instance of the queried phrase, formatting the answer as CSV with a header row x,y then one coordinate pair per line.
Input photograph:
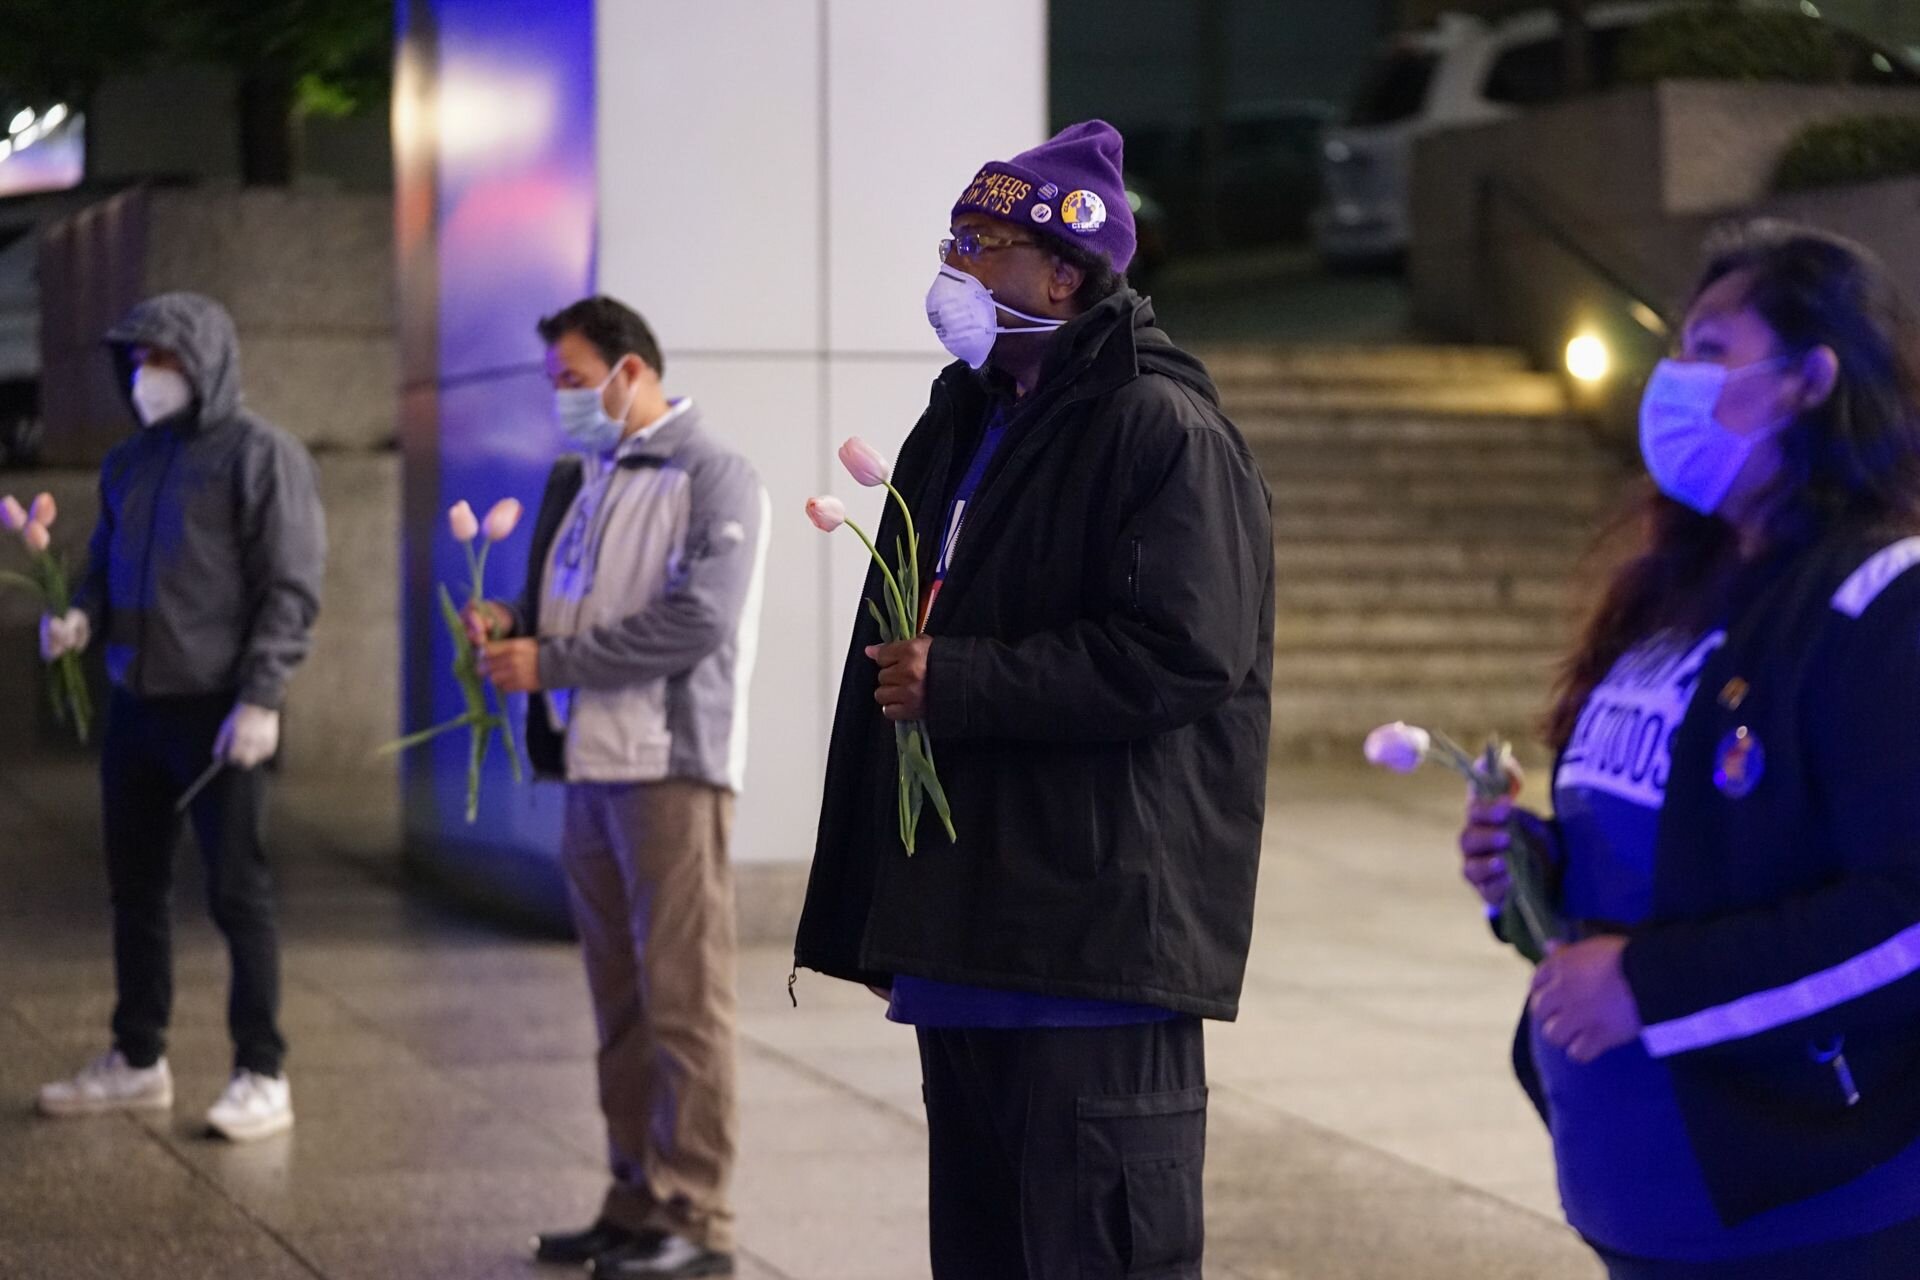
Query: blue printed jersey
x,y
1628,1177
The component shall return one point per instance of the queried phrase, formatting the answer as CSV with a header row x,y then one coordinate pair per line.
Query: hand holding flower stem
x,y
899,621
483,716
1528,919
63,633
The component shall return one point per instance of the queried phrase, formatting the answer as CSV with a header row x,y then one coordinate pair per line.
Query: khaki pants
x,y
652,893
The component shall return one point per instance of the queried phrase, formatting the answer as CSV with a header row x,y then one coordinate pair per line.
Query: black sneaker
x,y
662,1258
580,1248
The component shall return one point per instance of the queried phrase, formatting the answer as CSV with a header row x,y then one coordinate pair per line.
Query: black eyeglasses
x,y
971,244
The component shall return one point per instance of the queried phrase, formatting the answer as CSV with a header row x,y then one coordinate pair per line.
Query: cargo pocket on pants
x,y
1138,1174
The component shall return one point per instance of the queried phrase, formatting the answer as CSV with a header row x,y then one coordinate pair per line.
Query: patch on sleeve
x,y
1866,583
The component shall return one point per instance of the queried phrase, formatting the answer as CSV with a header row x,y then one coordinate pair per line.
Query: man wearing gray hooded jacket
x,y
203,582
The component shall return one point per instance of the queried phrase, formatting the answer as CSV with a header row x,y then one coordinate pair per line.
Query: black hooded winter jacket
x,y
1098,693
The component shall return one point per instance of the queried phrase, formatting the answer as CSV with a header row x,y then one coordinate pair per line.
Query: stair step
x,y
1237,364
1363,671
1410,593
1510,394
1397,461
1335,427
1528,557
1391,629
1579,498
1388,522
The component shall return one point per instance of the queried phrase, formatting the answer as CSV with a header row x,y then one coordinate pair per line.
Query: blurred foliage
x,y
1712,42
1855,149
339,53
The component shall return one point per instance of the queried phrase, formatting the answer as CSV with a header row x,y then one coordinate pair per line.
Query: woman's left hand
x,y
1581,1001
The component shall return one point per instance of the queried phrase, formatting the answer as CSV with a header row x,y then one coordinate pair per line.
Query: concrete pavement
x,y
1363,1122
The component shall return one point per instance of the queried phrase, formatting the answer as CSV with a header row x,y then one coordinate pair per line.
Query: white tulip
x,y
1398,746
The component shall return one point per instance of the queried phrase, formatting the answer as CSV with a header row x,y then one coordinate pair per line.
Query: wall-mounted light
x,y
1588,359
21,121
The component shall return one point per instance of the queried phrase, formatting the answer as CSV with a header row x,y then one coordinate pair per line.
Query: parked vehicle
x,y
1268,174
1465,71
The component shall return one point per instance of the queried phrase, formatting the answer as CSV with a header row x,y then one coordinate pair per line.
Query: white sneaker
x,y
254,1106
109,1084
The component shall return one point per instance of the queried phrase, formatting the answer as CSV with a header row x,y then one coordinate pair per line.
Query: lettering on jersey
x,y
1623,743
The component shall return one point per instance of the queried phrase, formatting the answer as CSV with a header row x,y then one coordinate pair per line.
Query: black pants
x,y
153,750
1066,1154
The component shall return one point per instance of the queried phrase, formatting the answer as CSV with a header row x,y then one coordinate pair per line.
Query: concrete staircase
x,y
1431,505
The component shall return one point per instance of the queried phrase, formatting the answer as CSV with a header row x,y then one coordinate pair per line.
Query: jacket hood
x,y
199,331
1110,344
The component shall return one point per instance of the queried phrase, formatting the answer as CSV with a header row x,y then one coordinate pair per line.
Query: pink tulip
x,y
827,514
36,537
865,463
465,525
502,518
43,510
13,516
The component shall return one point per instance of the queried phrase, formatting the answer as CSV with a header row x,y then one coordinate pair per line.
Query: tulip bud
x,y
1399,747
502,518
865,463
13,516
36,537
43,510
827,514
465,525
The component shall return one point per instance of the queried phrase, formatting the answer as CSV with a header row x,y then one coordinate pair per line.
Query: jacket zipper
x,y
1834,1055
1133,579
146,568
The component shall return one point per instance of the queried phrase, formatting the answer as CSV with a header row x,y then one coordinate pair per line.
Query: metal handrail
x,y
1646,313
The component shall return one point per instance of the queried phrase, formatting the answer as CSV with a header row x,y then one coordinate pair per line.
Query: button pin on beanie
x,y
1083,211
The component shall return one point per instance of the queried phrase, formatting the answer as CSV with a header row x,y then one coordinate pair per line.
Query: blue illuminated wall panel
x,y
495,209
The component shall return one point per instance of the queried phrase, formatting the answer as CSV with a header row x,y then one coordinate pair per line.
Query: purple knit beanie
x,y
1068,187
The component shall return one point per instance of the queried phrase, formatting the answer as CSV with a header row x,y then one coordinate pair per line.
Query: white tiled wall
x,y
773,177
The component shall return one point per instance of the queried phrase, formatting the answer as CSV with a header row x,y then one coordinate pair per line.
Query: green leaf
x,y
915,759
886,630
413,740
8,578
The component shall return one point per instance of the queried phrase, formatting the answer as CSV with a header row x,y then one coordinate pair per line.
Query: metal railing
x,y
1635,299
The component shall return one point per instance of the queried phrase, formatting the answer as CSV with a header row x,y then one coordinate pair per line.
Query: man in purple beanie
x,y
1094,672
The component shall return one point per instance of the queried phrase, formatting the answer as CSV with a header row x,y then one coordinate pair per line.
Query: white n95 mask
x,y
158,394
967,320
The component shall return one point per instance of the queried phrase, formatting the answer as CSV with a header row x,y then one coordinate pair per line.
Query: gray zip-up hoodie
x,y
645,594
204,571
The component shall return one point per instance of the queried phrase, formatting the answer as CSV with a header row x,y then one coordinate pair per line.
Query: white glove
x,y
68,633
249,737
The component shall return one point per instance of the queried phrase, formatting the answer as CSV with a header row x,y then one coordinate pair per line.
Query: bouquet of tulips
x,y
1528,919
484,715
47,577
898,620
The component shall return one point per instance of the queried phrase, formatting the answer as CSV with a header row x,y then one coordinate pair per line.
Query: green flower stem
x,y
912,566
900,612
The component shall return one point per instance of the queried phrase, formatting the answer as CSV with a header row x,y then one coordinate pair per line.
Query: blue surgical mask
x,y
582,413
1691,456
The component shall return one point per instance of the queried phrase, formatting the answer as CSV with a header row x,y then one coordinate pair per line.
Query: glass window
x,y
1396,88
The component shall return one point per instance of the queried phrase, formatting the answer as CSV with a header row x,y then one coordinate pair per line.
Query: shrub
x,y
1854,149
1717,43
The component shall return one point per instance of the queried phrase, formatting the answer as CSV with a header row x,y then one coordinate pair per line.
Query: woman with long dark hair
x,y
1727,1048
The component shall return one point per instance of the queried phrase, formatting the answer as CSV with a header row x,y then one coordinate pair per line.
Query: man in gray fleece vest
x,y
635,637
203,581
